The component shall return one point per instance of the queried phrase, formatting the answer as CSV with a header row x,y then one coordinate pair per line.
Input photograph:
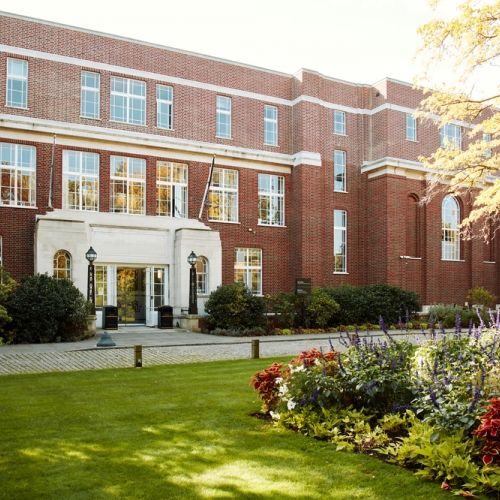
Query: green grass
x,y
183,431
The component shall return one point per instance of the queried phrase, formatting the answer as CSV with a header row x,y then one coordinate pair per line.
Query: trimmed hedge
x,y
365,304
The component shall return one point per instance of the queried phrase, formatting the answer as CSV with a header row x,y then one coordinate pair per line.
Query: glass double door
x,y
139,293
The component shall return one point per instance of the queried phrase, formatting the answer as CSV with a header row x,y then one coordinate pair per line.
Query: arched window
x,y
62,265
202,275
450,230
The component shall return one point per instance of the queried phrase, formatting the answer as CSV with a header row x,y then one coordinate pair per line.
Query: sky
x,y
360,41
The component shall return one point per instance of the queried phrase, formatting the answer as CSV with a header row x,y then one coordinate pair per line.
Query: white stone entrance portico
x,y
150,250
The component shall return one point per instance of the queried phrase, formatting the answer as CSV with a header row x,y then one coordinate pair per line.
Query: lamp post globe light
x,y
91,255
193,299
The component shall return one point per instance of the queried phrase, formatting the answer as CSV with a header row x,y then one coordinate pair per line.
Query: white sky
x,y
356,40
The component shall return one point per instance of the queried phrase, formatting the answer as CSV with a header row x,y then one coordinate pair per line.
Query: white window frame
x,y
202,283
101,283
275,198
224,193
340,231
339,122
221,111
128,98
164,107
270,125
67,270
129,181
95,92
1,252
16,170
450,136
81,177
411,127
23,78
450,229
178,189
340,168
248,269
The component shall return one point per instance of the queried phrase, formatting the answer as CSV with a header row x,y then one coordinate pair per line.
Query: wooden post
x,y
138,356
255,349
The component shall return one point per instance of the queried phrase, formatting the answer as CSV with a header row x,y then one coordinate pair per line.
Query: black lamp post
x,y
193,299
91,255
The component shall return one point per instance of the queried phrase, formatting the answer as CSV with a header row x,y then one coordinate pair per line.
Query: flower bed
x,y
433,407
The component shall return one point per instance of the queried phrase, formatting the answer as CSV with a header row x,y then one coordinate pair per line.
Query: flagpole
x,y
207,187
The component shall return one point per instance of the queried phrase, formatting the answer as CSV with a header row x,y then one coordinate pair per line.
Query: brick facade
x,y
391,237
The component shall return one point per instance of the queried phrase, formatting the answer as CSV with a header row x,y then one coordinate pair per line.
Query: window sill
x,y
3,205
17,107
338,133
165,128
128,123
99,119
271,225
489,262
224,221
412,140
271,145
409,257
340,272
224,137
453,260
336,191
126,213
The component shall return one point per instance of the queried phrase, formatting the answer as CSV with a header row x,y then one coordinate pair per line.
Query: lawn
x,y
177,431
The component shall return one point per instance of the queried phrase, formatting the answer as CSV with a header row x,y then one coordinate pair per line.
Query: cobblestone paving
x,y
90,359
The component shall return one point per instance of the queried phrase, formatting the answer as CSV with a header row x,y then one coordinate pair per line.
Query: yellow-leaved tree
x,y
467,45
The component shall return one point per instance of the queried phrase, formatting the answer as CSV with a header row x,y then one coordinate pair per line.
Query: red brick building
x,y
108,141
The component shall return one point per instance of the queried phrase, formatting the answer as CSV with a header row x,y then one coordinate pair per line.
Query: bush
x,y
256,331
233,307
480,296
320,308
448,316
365,304
44,309
7,286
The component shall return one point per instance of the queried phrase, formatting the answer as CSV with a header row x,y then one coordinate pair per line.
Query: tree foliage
x,y
468,44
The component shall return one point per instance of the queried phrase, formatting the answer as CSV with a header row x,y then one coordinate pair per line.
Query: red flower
x,y
489,430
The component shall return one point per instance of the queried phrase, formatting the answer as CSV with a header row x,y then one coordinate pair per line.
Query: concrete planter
x,y
91,325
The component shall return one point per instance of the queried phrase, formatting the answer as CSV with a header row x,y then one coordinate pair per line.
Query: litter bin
x,y
110,317
165,317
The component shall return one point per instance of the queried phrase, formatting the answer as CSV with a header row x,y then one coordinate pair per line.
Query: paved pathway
x,y
159,347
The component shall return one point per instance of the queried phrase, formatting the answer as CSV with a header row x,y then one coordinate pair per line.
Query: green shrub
x,y
446,315
365,304
233,307
480,296
320,308
7,286
44,309
287,308
256,331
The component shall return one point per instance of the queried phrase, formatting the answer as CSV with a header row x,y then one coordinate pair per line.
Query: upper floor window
x,y
450,229
487,152
128,101
451,136
128,185
271,200
17,175
248,268
339,171
202,275
17,83
411,127
339,122
271,125
164,98
223,195
90,94
223,117
62,265
171,188
339,241
81,180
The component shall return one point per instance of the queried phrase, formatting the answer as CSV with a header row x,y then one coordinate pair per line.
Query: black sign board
x,y
303,286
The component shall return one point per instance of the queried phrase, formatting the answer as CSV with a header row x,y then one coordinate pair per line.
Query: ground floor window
x,y
202,275
62,265
101,286
248,268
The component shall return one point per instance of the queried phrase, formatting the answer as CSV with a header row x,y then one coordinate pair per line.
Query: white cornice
x,y
17,127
